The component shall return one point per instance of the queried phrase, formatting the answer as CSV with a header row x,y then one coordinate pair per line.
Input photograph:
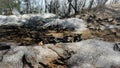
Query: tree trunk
x,y
90,5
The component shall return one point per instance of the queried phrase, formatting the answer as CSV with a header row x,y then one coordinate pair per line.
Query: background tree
x,y
59,7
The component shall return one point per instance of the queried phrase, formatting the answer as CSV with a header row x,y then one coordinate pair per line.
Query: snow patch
x,y
78,24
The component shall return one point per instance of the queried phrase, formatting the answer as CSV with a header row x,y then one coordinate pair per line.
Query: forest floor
x,y
104,26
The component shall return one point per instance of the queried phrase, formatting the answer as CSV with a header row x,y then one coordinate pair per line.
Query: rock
x,y
113,30
40,43
13,58
77,38
38,55
116,47
28,39
118,34
102,28
110,19
88,53
7,65
93,54
68,39
114,22
77,16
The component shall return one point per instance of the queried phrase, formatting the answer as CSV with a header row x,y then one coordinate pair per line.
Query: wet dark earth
x,y
27,35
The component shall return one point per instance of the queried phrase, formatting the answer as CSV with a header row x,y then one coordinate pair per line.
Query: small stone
x,y
113,30
40,43
110,19
118,34
77,16
28,39
114,22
